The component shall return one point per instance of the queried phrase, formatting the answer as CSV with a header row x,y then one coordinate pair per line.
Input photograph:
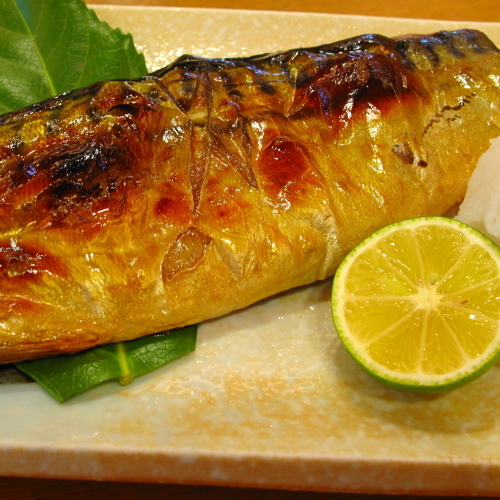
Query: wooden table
x,y
462,10
459,10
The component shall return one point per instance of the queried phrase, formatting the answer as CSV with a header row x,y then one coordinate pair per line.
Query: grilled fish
x,y
131,207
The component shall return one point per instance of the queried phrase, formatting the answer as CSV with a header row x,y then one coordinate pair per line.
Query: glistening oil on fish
x,y
131,207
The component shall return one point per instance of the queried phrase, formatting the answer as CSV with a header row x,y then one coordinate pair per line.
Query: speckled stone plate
x,y
270,398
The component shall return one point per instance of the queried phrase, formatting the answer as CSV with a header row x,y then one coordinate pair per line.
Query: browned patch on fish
x,y
27,263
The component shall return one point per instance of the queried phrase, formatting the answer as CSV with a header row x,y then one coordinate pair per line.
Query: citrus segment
x,y
417,304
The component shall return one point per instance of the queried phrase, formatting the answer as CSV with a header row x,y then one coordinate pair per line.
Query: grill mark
x,y
432,55
448,42
442,115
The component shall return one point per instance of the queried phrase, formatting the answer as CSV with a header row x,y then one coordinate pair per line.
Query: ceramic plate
x,y
269,398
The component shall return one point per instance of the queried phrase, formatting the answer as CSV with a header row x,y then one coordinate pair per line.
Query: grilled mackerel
x,y
131,207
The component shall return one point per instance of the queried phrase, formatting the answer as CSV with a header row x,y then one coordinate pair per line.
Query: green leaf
x,y
67,375
51,46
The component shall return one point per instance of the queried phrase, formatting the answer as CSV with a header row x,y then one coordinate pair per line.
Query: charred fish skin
x,y
131,207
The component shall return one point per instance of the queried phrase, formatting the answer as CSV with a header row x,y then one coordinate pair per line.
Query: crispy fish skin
x,y
131,207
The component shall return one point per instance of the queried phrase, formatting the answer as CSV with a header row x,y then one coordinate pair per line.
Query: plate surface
x,y
269,398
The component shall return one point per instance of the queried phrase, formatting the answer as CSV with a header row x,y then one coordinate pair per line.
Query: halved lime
x,y
417,304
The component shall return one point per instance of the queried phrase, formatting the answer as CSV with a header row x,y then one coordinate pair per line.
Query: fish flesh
x,y
131,207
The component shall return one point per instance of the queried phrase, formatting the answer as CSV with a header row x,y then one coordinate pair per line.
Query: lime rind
x,y
425,384
415,382
433,386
